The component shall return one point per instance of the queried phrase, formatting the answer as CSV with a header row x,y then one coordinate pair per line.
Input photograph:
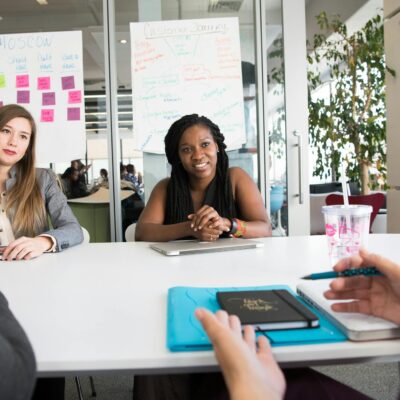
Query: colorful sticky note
x,y
22,81
23,96
48,98
74,114
2,81
47,115
74,96
43,83
68,82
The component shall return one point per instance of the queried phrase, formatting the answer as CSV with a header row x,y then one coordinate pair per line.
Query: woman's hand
x,y
25,248
376,295
208,217
250,373
206,234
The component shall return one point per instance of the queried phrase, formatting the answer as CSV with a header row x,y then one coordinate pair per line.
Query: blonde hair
x,y
25,204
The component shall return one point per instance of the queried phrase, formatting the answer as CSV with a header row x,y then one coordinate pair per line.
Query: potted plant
x,y
351,125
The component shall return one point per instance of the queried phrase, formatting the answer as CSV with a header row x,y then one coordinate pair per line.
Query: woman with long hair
x,y
29,195
203,198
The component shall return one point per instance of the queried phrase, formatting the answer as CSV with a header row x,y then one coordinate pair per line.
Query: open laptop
x,y
357,327
178,248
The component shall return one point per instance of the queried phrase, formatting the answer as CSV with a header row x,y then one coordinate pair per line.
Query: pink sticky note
x,y
43,83
48,98
23,96
68,82
22,81
47,115
74,114
74,96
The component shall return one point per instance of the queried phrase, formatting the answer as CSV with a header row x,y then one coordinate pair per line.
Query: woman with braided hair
x,y
203,198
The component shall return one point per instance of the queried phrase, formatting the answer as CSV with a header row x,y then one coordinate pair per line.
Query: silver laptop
x,y
357,327
178,248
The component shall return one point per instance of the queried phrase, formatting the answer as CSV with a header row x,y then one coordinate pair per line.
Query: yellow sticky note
x,y
2,81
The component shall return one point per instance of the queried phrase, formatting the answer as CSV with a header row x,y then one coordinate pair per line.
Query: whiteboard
x,y
186,67
43,73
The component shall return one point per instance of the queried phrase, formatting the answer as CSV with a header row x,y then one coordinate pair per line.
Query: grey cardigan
x,y
66,229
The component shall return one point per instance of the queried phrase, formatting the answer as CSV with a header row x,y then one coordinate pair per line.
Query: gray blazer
x,y
67,230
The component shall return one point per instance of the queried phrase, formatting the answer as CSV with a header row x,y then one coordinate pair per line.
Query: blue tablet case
x,y
185,333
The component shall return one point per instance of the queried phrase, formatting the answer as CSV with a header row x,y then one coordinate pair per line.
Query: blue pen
x,y
367,271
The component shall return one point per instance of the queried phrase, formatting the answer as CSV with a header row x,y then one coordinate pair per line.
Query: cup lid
x,y
352,209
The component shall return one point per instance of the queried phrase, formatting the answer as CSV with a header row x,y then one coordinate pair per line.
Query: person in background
x,y
17,360
77,165
73,186
140,179
250,371
125,183
103,176
131,175
203,198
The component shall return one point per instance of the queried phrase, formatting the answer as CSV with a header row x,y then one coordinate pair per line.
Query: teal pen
x,y
367,271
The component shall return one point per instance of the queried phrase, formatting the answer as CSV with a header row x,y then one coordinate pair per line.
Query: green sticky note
x,y
2,81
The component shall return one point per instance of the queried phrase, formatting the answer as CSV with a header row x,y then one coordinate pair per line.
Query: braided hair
x,y
179,202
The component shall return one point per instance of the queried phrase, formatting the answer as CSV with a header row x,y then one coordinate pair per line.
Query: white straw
x,y
343,178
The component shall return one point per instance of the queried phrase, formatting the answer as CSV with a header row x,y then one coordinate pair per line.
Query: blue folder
x,y
185,333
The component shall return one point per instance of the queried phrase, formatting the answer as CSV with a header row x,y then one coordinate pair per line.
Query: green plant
x,y
351,125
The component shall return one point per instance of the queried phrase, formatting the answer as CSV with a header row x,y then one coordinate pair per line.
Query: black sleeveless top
x,y
209,199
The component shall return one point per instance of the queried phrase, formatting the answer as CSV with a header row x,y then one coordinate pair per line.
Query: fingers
x,y
23,248
249,337
203,216
208,234
354,283
354,261
215,325
362,306
264,348
359,294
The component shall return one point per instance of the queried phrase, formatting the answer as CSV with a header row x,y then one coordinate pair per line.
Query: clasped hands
x,y
207,225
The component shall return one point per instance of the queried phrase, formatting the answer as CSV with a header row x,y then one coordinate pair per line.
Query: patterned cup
x,y
347,229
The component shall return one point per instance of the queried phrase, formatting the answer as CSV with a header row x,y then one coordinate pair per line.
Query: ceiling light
x,y
123,41
42,2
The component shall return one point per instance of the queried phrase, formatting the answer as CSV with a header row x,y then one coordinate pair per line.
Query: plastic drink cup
x,y
347,229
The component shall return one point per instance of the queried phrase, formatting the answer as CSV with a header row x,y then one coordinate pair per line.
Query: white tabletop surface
x,y
102,307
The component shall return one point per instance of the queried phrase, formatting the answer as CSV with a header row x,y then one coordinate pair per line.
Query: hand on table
x,y
25,248
208,217
376,295
250,373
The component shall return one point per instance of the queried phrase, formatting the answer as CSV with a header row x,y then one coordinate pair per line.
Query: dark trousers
x,y
49,389
302,383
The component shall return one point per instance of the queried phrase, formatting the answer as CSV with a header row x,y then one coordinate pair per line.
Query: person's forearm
x,y
257,229
149,232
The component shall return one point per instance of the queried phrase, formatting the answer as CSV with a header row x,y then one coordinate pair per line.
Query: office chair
x,y
130,233
376,200
277,197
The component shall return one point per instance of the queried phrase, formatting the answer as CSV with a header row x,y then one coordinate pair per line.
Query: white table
x,y
102,307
